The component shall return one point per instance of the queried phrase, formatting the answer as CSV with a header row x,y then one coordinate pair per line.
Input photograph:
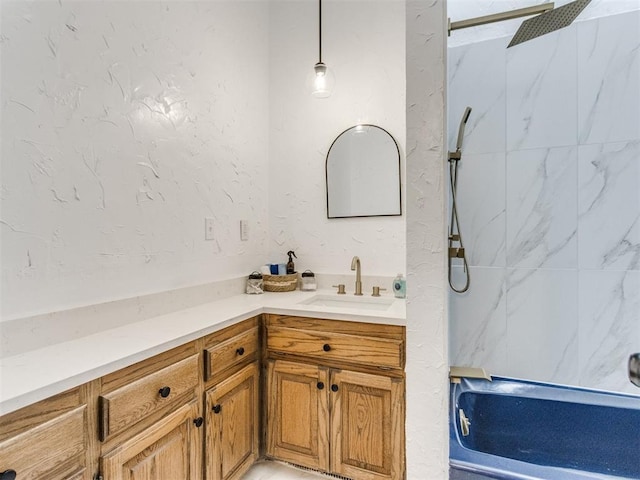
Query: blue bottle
x,y
399,286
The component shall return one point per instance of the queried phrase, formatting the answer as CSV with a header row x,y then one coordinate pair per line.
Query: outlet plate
x,y
208,228
244,230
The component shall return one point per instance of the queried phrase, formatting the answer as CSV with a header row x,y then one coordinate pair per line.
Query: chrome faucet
x,y
355,265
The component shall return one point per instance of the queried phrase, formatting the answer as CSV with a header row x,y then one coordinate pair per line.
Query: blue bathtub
x,y
528,430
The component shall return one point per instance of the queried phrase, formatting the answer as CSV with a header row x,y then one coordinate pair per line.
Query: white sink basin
x,y
349,301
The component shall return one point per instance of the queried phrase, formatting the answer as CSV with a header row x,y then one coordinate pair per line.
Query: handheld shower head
x,y
465,116
463,122
454,228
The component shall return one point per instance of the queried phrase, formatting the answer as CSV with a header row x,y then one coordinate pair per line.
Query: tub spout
x,y
465,423
634,369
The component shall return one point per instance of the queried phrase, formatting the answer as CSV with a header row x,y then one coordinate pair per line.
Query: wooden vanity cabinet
x,y
47,440
336,396
190,413
233,425
232,400
367,425
169,448
334,402
149,418
298,413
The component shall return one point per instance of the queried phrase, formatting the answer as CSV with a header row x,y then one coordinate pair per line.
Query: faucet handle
x,y
340,287
376,291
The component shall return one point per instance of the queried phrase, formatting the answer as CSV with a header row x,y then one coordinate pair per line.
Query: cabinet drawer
x,y
137,400
373,351
232,351
49,451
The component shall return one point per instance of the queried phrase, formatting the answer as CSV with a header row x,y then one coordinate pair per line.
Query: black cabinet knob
x,y
240,351
326,347
320,385
164,392
198,422
8,475
217,408
334,388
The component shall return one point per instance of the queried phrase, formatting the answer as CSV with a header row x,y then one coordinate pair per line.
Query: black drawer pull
x,y
326,347
164,392
240,351
334,388
216,408
198,422
8,475
320,385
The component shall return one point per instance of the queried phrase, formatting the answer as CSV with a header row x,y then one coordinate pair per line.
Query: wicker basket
x,y
280,283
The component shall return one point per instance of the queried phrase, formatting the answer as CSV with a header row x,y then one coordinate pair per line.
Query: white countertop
x,y
38,374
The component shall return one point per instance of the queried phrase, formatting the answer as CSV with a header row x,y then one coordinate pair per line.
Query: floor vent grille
x,y
301,467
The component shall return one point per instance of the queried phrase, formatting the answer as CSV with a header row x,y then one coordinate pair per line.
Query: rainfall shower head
x,y
548,19
463,122
548,22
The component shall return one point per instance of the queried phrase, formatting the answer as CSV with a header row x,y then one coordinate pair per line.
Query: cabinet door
x,y
233,421
367,426
170,448
298,416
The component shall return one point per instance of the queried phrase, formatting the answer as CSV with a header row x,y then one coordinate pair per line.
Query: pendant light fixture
x,y
323,79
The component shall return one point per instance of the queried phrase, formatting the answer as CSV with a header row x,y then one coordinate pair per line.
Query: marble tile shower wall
x,y
549,204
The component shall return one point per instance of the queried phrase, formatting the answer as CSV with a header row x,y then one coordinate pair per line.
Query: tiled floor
x,y
279,471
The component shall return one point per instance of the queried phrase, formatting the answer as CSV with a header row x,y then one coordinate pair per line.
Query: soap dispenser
x,y
291,268
399,286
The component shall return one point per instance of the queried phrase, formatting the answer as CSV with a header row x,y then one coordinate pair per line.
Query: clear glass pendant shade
x,y
323,81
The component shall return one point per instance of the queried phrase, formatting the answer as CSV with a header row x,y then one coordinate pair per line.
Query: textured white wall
x,y
124,125
465,9
364,44
427,363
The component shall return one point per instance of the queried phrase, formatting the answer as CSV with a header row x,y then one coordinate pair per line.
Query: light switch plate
x,y
244,230
208,228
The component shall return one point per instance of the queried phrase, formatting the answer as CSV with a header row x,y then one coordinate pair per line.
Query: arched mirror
x,y
363,174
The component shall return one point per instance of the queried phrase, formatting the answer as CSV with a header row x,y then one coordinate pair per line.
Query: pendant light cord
x,y
319,31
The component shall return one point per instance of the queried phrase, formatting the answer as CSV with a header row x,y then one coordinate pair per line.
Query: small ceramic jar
x,y
308,281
